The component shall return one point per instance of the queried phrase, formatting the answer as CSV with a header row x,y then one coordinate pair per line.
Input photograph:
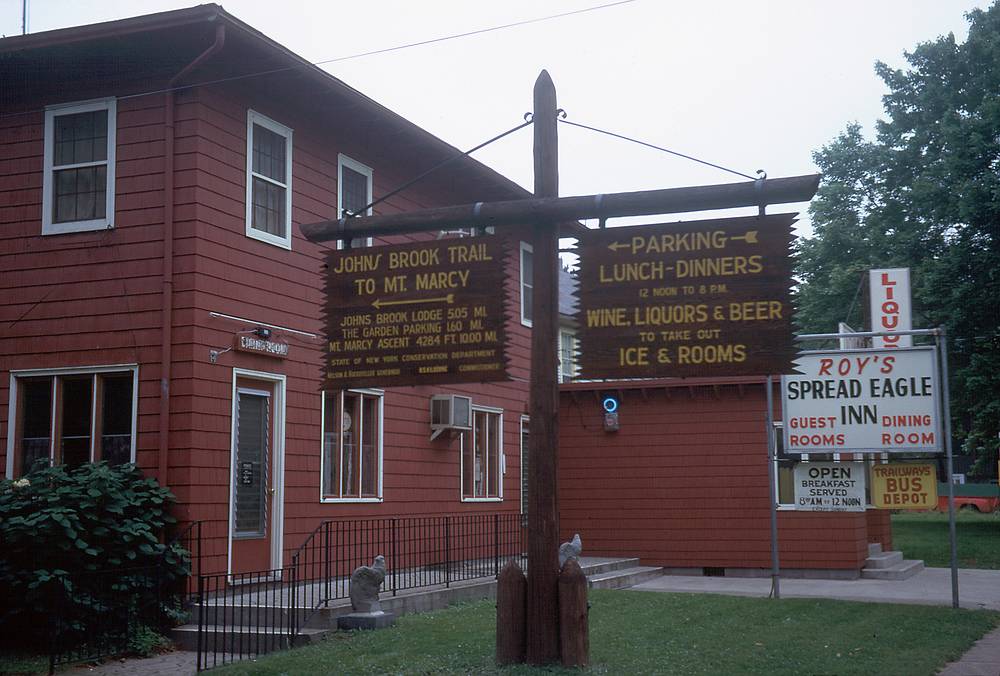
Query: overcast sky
x,y
750,85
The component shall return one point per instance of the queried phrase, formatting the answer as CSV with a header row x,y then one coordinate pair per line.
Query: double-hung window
x,y
269,180
354,192
71,417
482,456
78,186
527,283
352,446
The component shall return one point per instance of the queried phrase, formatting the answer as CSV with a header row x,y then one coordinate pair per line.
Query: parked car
x,y
973,497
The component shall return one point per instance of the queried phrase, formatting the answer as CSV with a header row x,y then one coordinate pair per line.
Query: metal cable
x,y
666,150
527,122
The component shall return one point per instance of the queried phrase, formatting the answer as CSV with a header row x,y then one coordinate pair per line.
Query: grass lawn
x,y
23,664
924,535
649,633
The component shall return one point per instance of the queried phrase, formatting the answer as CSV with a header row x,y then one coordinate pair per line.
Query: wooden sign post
x,y
543,515
549,215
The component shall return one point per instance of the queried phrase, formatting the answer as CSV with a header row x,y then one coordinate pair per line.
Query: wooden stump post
x,y
574,632
512,595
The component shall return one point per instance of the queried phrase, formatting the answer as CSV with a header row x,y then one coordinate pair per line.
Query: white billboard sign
x,y
875,401
848,342
890,305
830,486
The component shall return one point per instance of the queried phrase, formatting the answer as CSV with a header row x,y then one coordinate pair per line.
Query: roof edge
x,y
116,27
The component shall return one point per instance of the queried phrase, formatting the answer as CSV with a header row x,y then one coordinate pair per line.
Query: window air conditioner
x,y
450,412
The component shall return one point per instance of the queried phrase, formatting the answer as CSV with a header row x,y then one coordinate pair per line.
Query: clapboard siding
x,y
684,484
95,298
84,299
235,275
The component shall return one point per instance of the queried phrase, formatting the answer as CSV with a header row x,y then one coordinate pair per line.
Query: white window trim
x,y
560,366
253,117
345,161
501,461
526,321
48,188
777,429
68,371
381,447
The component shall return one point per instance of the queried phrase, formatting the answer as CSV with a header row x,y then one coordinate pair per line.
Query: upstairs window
x,y
269,181
72,417
352,446
78,187
354,192
527,284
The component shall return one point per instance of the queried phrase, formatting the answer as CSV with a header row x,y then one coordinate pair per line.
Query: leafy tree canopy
x,y
924,194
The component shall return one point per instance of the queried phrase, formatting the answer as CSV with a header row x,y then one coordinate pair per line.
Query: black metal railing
x,y
243,615
188,539
419,552
249,614
95,614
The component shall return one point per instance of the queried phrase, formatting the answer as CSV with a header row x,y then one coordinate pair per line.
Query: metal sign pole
x,y
942,345
772,491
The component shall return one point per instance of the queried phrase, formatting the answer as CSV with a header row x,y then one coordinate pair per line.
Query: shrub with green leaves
x,y
63,528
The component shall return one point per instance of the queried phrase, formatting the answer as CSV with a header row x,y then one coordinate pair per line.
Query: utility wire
x,y
479,31
437,166
359,55
857,292
666,150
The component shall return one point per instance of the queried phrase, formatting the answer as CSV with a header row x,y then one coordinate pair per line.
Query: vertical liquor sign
x,y
706,298
890,305
416,314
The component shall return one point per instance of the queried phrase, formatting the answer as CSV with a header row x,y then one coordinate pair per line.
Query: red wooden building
x,y
683,482
158,304
153,174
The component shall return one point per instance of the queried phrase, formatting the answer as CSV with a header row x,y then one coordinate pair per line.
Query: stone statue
x,y
570,550
365,583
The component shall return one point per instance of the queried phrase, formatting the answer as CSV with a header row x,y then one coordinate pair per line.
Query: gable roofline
x,y
210,13
109,29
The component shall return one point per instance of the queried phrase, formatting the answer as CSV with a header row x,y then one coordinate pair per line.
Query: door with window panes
x,y
252,476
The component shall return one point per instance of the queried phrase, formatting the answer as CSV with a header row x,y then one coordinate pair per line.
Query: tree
x,y
924,194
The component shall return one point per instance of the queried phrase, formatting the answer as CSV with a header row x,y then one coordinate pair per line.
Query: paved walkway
x,y
977,589
932,586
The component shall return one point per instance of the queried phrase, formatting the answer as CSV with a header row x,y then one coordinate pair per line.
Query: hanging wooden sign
x,y
706,298
416,314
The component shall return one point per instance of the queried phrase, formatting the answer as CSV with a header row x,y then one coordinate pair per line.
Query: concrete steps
x,y
888,565
626,577
248,629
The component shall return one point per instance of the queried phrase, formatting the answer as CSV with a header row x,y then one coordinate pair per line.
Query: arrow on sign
x,y
615,246
749,238
449,299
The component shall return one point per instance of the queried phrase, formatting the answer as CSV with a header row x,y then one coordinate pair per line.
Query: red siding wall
x,y
84,299
94,299
684,483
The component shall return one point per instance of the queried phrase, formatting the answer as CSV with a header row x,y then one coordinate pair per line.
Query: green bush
x,y
63,529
